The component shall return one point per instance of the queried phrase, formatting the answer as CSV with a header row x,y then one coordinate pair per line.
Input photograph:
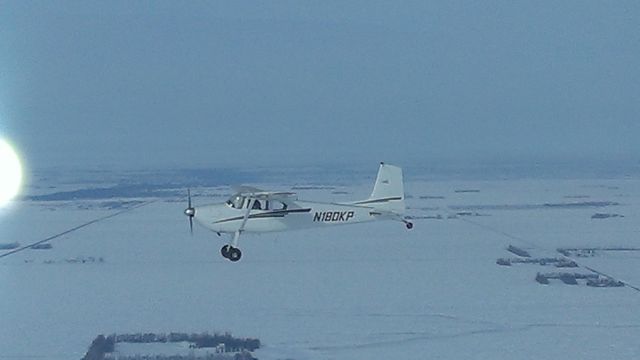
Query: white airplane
x,y
252,210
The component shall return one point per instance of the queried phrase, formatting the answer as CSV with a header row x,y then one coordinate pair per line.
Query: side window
x,y
277,205
257,205
236,202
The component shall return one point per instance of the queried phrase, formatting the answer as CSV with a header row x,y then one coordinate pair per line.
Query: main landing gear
x,y
408,224
231,250
231,253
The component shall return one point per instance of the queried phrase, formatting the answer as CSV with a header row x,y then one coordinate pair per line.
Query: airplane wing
x,y
246,190
259,194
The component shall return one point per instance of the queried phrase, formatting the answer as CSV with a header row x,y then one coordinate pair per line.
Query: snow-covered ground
x,y
168,349
371,291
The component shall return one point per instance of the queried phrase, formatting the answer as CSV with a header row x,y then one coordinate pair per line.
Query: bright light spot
x,y
10,173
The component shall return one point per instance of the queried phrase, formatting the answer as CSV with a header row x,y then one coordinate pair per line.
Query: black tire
x,y
409,225
234,254
224,251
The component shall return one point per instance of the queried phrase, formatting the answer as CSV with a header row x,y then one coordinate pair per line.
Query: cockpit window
x,y
236,201
276,205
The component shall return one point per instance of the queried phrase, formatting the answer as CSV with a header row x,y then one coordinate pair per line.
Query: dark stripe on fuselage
x,y
271,214
378,200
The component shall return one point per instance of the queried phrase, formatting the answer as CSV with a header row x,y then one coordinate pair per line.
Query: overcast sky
x,y
165,84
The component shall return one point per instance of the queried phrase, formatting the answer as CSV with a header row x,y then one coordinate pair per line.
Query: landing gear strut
x,y
231,253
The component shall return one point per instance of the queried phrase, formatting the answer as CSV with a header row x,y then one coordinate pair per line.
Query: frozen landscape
x,y
370,291
515,123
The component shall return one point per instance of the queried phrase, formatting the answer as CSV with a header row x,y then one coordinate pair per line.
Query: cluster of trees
x,y
518,251
594,280
202,340
9,246
557,262
102,345
605,216
238,356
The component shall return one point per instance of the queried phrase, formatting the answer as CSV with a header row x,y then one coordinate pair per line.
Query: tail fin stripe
x,y
378,200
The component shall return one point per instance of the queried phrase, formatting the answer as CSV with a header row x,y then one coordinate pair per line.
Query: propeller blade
x,y
190,211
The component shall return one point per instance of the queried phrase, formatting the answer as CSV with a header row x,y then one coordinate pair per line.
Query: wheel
x,y
225,251
409,225
234,254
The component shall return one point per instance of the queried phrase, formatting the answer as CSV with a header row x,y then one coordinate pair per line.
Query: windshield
x,y
236,201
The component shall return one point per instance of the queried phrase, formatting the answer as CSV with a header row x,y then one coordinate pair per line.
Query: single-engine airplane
x,y
253,210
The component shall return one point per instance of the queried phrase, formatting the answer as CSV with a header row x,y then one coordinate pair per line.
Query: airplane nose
x,y
190,211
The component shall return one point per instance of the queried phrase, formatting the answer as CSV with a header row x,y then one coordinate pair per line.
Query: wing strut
x,y
246,215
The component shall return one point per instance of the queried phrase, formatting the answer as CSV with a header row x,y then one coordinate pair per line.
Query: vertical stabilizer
x,y
388,183
388,191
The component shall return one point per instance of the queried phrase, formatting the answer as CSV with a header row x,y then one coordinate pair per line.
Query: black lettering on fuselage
x,y
333,216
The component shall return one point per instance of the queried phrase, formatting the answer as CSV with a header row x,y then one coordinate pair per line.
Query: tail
x,y
388,191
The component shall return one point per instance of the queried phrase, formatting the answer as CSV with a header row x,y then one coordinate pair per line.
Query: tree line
x,y
102,345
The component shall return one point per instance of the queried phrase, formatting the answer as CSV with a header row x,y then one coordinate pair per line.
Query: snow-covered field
x,y
372,291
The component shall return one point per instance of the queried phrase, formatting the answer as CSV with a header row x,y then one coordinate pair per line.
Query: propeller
x,y
190,211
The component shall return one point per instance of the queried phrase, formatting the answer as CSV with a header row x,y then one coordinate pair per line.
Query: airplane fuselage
x,y
225,219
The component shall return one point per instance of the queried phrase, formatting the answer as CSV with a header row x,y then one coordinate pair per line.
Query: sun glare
x,y
10,173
